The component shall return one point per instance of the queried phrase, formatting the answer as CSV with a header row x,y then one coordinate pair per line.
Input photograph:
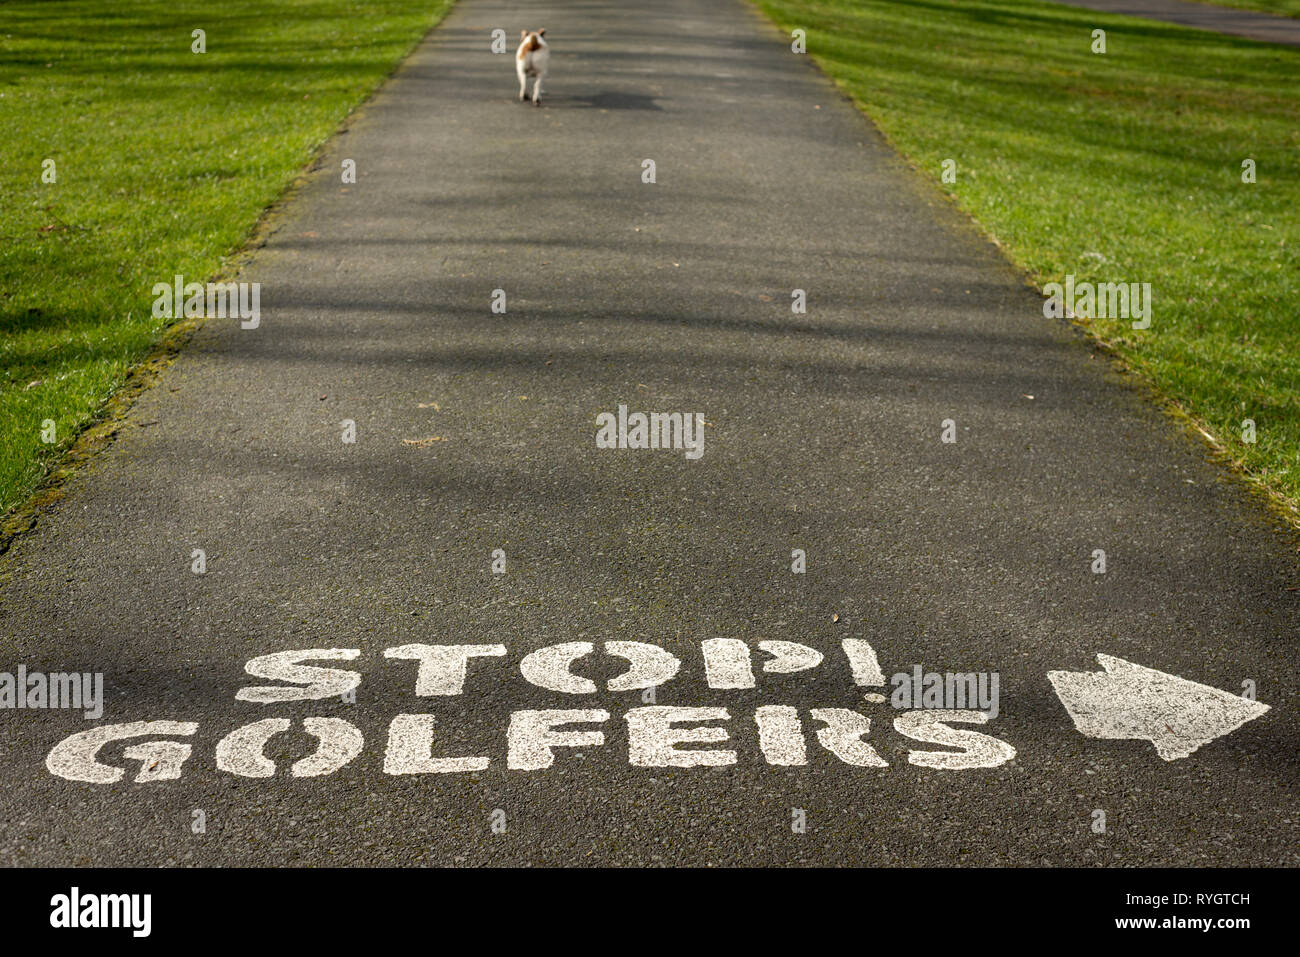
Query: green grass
x,y
164,160
1134,155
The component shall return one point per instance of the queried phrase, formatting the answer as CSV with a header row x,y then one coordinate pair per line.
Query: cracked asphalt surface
x,y
823,433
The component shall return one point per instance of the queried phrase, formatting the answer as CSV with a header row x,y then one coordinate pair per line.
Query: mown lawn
x,y
164,159
1125,166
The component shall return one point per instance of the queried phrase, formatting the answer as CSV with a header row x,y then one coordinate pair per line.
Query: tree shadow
x,y
614,100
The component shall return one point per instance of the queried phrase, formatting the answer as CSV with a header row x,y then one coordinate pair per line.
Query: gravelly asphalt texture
x,y
823,433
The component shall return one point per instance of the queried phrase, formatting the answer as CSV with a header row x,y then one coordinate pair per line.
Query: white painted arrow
x,y
1129,701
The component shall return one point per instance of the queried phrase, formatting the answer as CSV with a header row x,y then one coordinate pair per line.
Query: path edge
x,y
1272,502
104,425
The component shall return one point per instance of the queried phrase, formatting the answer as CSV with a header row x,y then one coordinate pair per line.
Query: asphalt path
x,y
476,431
1251,24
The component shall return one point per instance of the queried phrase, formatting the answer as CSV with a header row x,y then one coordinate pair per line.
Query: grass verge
x,y
163,160
1123,166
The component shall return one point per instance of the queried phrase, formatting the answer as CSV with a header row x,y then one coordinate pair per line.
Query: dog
x,y
530,60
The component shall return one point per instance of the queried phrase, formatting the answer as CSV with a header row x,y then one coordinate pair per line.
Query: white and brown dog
x,y
530,60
